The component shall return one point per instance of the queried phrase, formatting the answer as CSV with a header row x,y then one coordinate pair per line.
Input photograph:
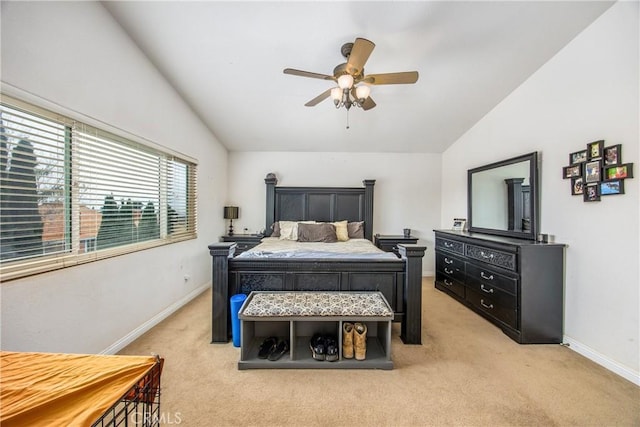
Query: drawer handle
x,y
448,261
448,283
448,245
446,270
490,306
485,256
489,291
484,276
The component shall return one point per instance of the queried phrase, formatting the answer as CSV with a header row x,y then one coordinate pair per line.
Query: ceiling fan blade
x,y
368,104
324,95
392,78
301,73
360,52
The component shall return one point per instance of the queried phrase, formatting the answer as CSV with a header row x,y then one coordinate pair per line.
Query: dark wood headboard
x,y
325,204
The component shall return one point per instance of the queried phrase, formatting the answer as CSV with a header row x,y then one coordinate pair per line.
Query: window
x,y
73,193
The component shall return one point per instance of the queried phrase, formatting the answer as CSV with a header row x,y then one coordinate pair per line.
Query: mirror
x,y
503,197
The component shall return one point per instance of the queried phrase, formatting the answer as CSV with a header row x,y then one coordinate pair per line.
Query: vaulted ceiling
x,y
226,60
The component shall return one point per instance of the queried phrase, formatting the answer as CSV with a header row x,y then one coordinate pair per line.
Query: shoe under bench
x,y
297,316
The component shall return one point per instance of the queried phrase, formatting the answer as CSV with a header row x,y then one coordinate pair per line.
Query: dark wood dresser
x,y
516,284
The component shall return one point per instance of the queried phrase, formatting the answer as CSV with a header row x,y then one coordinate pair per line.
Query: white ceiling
x,y
226,60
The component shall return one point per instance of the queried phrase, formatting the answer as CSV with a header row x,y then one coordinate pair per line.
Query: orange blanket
x,y
64,389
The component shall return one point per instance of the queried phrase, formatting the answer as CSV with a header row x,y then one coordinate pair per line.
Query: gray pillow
x,y
275,227
317,233
356,230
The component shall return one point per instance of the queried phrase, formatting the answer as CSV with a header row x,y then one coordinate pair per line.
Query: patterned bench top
x,y
293,304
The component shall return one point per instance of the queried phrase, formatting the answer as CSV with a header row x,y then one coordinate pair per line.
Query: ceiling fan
x,y
352,82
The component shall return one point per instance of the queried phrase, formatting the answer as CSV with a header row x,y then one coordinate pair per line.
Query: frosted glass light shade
x,y
363,91
345,81
336,93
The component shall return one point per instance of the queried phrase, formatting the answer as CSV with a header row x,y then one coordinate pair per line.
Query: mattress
x,y
53,389
273,247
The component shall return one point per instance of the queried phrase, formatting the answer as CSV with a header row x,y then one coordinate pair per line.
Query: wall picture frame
x,y
618,171
572,171
577,186
594,149
613,187
592,193
597,171
578,157
612,155
592,171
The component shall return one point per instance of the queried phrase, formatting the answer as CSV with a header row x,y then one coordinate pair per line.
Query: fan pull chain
x,y
347,119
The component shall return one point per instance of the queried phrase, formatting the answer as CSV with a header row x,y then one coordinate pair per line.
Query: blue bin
x,y
236,303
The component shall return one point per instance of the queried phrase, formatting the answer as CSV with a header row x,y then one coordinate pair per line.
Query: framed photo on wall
x,y
572,171
613,155
608,188
578,157
577,186
594,149
619,172
592,193
592,171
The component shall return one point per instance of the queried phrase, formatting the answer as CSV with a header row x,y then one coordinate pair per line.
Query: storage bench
x,y
297,316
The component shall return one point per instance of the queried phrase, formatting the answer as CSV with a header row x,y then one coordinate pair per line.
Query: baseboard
x,y
624,371
137,333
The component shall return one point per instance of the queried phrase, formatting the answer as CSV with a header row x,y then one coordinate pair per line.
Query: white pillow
x,y
289,229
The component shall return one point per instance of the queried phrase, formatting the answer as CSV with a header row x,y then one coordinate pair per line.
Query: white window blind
x,y
74,193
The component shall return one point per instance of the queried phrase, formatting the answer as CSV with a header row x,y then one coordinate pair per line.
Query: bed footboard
x,y
399,280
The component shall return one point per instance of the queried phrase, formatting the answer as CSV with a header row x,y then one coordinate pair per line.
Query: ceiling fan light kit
x,y
350,78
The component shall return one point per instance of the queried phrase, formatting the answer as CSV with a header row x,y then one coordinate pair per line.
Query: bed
x,y
399,279
57,389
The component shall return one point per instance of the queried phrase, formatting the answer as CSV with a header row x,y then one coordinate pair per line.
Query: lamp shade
x,y
345,81
336,94
231,212
362,92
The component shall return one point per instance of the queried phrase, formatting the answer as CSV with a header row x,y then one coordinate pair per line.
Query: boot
x,y
360,340
347,340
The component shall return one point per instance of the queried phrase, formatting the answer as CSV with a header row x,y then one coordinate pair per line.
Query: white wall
x,y
73,56
588,91
406,193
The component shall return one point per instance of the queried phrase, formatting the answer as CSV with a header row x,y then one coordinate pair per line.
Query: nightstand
x,y
244,242
389,243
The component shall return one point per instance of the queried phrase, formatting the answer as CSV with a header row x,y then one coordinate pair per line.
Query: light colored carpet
x,y
466,373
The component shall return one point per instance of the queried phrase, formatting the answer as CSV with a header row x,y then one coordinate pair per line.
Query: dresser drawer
x,y
244,246
450,245
390,243
450,265
388,246
450,284
243,242
444,259
492,256
493,307
481,276
497,295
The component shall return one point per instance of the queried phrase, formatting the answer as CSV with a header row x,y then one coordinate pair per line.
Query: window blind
x,y
75,193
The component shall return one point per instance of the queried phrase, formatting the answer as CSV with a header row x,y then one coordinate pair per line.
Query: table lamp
x,y
231,213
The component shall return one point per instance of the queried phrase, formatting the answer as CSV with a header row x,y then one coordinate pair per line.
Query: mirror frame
x,y
533,188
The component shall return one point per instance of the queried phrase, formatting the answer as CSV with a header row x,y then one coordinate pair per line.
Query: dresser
x,y
516,284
